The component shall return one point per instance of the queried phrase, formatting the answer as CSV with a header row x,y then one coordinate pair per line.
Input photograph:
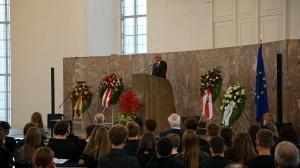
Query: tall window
x,y
5,61
134,26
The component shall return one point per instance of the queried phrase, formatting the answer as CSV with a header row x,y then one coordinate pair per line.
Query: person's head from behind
x,y
253,131
99,119
217,145
264,139
157,57
32,142
147,143
62,128
174,120
212,130
36,117
244,146
133,130
191,123
190,148
98,143
288,133
5,126
43,158
272,127
117,136
151,125
29,125
89,129
163,147
175,140
227,133
286,155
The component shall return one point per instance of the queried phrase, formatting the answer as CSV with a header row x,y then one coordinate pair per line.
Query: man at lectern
x,y
159,67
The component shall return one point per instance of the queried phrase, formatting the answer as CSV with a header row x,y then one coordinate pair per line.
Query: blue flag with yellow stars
x,y
261,96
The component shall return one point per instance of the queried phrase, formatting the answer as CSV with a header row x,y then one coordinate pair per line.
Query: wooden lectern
x,y
157,97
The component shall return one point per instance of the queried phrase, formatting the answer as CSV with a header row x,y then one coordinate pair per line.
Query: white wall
x,y
179,25
101,27
43,33
293,19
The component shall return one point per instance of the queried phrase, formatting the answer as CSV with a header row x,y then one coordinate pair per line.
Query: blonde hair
x,y
36,117
32,142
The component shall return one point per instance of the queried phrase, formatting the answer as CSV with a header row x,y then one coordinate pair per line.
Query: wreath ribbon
x,y
106,98
207,110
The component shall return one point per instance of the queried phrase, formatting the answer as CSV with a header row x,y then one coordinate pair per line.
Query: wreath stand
x,y
81,121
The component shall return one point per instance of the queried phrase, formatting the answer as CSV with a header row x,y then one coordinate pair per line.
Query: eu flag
x,y
261,96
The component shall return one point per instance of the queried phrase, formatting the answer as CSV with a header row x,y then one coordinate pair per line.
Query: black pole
x,y
52,92
52,98
279,91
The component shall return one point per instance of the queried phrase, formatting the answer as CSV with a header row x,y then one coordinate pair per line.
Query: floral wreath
x,y
211,81
233,104
129,105
81,99
110,89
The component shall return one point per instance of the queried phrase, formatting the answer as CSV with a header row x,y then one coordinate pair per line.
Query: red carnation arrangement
x,y
129,102
129,105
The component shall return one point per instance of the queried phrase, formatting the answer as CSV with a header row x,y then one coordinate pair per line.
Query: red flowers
x,y
129,103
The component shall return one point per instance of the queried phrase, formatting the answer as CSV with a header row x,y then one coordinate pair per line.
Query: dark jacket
x,y
261,161
64,149
165,162
160,70
5,157
215,162
179,132
144,159
118,158
131,147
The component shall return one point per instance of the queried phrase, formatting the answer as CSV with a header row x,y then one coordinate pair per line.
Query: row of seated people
x,y
196,146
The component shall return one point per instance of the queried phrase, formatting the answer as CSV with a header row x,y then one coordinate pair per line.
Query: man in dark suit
x,y
159,67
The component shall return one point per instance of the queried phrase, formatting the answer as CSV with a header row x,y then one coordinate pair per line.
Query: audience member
x,y
192,124
252,132
97,147
10,142
150,126
191,154
62,147
99,119
163,160
5,155
269,123
212,130
227,134
117,157
146,149
264,142
23,156
43,158
217,159
133,140
25,129
174,121
175,140
243,149
89,129
235,165
36,117
288,133
286,155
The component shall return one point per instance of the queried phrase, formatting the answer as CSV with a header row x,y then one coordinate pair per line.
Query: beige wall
x,y
43,32
293,19
177,25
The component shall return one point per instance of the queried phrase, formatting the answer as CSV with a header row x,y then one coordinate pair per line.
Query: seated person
x,y
133,138
25,129
217,159
5,155
264,143
99,119
43,158
163,150
62,147
117,157
10,142
150,126
174,121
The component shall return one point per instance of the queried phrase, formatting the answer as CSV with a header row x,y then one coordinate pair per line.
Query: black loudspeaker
x,y
279,91
53,118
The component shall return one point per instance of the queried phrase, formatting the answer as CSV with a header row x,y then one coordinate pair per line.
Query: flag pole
x,y
260,45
